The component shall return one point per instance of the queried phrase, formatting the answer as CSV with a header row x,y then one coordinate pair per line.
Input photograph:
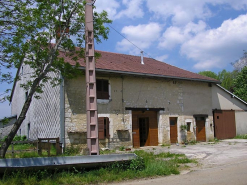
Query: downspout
x,y
62,114
123,100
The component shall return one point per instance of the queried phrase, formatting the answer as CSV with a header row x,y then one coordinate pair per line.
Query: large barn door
x,y
144,128
224,124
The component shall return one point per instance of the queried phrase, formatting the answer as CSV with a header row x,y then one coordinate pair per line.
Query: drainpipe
x,y
62,114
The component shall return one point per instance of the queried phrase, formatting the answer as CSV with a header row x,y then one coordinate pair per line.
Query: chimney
x,y
142,58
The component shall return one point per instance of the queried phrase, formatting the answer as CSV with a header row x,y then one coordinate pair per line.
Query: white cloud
x,y
133,9
174,35
116,10
218,47
162,58
111,7
182,12
141,35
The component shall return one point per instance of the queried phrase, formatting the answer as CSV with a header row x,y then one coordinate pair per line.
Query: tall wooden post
x,y
91,98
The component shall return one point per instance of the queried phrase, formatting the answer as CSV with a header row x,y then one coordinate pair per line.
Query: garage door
x,y
224,124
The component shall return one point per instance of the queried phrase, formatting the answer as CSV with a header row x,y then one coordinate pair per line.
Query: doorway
x,y
173,130
144,128
200,129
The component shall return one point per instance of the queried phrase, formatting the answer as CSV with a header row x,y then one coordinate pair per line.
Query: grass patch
x,y
165,144
244,136
146,165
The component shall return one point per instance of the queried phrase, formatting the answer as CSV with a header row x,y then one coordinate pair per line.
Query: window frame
x,y
102,89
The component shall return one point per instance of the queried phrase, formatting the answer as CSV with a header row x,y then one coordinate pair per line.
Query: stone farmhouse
x,y
140,103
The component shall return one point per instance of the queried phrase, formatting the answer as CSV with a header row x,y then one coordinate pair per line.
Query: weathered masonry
x,y
139,104
139,111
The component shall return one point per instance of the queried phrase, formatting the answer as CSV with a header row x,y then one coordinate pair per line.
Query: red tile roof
x,y
122,63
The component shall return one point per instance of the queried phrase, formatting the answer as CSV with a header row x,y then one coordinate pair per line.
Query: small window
x,y
26,95
103,123
188,126
102,87
173,121
28,131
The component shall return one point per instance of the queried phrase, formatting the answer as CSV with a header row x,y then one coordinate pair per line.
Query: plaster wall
x,y
222,100
241,126
179,98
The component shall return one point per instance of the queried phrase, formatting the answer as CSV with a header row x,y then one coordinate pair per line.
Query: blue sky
x,y
195,35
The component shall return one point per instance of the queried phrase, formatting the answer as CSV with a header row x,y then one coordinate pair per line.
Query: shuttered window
x,y
102,87
103,123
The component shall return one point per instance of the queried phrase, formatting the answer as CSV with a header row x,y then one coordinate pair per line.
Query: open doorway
x,y
144,131
144,128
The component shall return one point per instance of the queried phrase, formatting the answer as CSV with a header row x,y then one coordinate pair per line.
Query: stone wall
x,y
179,98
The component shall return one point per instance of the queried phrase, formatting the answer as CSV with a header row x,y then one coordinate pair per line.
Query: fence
x,y
39,145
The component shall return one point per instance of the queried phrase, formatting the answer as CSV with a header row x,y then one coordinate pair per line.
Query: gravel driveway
x,y
221,163
209,154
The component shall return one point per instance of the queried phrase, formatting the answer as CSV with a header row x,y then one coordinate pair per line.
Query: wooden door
x,y
200,130
148,131
144,131
173,130
224,124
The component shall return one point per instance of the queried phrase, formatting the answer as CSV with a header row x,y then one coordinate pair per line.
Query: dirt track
x,y
220,163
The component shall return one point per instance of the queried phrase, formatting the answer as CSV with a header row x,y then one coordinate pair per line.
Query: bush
x,y
137,164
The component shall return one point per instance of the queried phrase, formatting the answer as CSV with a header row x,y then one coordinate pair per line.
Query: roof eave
x,y
154,75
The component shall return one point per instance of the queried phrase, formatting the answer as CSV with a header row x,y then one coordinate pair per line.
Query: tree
x,y
240,84
227,78
209,74
27,30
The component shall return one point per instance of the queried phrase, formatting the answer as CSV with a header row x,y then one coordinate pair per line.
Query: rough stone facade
x,y
179,98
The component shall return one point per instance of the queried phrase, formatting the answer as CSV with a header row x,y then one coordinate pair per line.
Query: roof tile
x,y
132,64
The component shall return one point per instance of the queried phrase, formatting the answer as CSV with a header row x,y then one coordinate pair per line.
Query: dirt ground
x,y
223,162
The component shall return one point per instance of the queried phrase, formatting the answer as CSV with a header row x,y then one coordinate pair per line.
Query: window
x,y
102,87
26,95
103,123
28,130
188,126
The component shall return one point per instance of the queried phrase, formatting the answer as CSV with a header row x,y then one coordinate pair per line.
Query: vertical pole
x,y
91,98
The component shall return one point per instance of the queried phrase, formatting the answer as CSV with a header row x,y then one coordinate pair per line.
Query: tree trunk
x,y
21,117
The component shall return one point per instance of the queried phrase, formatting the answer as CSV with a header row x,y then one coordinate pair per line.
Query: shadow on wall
x,y
76,93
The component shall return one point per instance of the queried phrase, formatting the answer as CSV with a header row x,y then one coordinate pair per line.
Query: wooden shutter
x,y
107,127
101,127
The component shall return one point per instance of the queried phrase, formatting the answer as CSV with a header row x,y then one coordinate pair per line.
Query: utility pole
x,y
91,95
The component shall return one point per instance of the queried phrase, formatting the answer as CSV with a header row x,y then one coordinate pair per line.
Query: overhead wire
x,y
130,41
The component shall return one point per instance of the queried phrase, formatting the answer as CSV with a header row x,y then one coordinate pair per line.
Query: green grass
x,y
27,151
241,136
146,165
